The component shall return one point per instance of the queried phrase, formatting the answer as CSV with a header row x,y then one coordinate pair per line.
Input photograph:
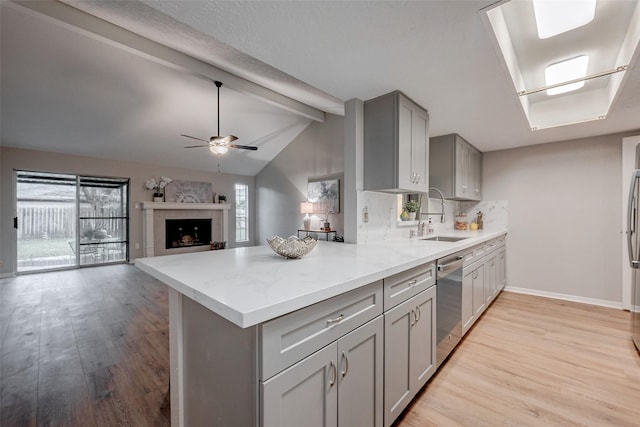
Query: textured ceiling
x,y
112,102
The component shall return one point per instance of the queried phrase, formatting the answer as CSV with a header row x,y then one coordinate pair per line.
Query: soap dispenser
x,y
430,227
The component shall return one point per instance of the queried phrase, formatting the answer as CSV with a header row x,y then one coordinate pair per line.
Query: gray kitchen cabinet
x,y
479,303
409,351
455,167
339,385
491,278
396,145
305,394
502,268
483,277
473,294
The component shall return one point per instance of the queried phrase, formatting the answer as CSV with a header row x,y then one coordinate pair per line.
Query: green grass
x,y
40,248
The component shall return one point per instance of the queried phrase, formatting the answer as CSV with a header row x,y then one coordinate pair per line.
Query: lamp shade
x,y
306,207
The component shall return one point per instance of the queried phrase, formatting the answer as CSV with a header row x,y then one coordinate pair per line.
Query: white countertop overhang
x,y
248,286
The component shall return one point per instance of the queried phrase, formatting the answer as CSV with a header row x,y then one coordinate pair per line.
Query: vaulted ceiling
x,y
71,84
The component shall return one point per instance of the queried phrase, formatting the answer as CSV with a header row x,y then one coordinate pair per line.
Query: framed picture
x,y
189,192
324,194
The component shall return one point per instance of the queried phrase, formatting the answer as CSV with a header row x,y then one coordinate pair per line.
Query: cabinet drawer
x,y
473,254
290,338
490,246
402,286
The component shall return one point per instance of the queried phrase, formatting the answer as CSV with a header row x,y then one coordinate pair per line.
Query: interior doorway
x,y
69,220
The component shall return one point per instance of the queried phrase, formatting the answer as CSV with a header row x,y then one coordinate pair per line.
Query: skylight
x,y
560,72
555,17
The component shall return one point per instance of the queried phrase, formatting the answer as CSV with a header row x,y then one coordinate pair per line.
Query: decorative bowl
x,y
292,247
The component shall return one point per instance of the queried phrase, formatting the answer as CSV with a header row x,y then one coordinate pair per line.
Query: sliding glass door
x,y
69,220
103,221
46,220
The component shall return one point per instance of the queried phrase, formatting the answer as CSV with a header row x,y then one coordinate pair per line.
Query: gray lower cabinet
x,y
409,351
339,385
482,281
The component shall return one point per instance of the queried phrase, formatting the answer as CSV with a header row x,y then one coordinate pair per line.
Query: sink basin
x,y
445,239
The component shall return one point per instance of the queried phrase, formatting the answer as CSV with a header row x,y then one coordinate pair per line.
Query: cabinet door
x,y
409,351
420,150
423,339
476,160
413,146
463,159
491,279
306,394
502,269
360,376
398,323
478,290
467,301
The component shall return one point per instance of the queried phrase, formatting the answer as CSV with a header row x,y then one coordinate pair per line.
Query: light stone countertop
x,y
248,286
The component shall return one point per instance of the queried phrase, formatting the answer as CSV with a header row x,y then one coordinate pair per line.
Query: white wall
x,y
564,203
18,159
282,185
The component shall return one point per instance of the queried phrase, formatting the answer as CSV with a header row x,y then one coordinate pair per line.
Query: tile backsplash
x,y
384,223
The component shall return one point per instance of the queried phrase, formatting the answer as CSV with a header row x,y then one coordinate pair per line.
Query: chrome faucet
x,y
441,213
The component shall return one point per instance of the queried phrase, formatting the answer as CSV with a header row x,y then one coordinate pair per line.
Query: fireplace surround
x,y
155,215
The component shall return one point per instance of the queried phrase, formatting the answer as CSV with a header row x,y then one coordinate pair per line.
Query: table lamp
x,y
306,208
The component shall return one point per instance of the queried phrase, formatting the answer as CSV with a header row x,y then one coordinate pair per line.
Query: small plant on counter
x,y
411,206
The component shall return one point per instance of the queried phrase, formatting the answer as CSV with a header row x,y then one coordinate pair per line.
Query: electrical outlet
x,y
137,245
365,215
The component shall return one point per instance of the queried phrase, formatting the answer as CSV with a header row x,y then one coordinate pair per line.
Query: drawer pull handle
x,y
335,320
334,373
346,364
413,282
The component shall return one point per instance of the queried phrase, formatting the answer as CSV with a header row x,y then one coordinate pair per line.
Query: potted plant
x,y
412,208
158,187
222,198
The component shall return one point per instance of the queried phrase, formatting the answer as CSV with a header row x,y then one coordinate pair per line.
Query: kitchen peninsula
x,y
246,325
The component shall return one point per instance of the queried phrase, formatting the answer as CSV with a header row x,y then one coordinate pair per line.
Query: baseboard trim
x,y
572,298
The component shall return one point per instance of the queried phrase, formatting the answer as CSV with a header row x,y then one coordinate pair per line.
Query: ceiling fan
x,y
219,144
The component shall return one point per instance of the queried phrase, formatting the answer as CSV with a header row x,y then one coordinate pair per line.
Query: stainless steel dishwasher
x,y
449,303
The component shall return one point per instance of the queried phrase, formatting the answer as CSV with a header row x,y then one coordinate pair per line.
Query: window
x,y
242,212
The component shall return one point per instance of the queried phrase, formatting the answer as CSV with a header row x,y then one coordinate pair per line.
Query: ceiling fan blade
x,y
193,137
196,146
229,138
244,147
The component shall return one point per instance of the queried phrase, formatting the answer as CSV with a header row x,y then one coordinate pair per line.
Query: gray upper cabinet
x,y
455,167
396,145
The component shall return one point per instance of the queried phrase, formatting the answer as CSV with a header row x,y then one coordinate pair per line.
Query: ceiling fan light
x,y
218,149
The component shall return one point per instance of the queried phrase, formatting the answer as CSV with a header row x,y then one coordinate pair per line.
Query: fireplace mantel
x,y
148,209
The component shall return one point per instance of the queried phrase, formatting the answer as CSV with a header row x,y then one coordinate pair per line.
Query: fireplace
x,y
180,233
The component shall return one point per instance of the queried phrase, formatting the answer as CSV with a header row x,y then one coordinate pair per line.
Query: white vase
x,y
412,216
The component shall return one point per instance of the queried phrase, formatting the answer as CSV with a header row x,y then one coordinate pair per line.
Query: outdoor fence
x,y
38,222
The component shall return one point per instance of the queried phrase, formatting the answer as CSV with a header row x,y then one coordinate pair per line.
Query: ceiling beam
x,y
114,35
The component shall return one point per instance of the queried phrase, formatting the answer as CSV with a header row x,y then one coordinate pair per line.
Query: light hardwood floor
x,y
89,347
534,361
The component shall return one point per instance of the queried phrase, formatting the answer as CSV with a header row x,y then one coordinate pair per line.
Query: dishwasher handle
x,y
451,266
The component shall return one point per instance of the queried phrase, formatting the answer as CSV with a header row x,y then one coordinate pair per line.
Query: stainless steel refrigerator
x,y
633,240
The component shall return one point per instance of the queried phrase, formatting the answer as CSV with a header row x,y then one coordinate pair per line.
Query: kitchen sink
x,y
445,239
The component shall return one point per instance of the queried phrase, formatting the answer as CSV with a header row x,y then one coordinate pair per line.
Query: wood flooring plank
x,y
533,361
